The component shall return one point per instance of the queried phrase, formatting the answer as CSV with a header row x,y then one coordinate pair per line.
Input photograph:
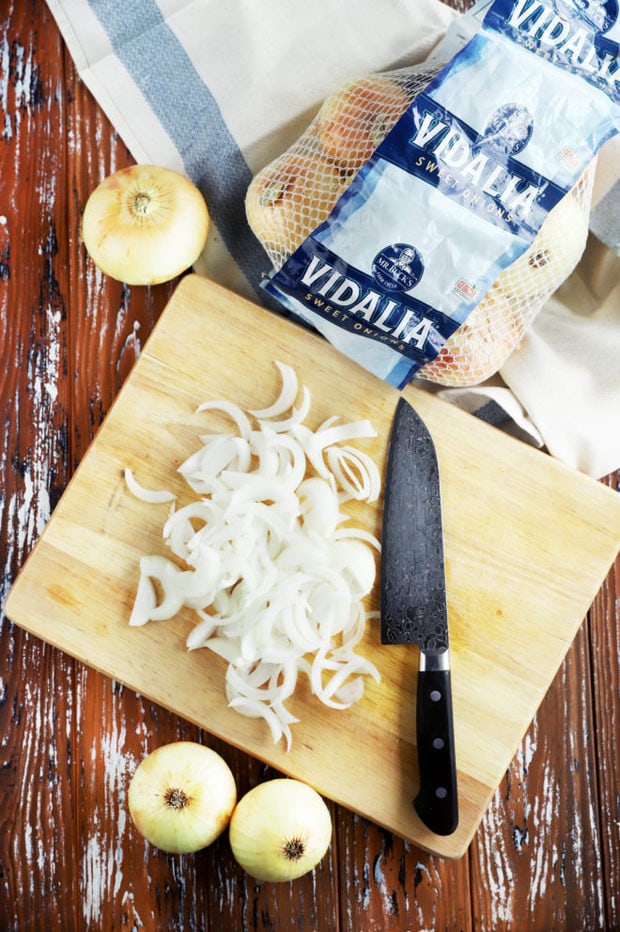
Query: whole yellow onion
x,y
145,224
280,830
181,796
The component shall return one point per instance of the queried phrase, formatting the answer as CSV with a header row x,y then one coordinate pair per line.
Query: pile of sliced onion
x,y
265,556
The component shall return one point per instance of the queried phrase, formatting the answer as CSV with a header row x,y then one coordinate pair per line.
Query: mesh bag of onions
x,y
290,198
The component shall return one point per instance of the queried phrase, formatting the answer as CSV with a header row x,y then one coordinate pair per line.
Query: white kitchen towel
x,y
217,88
567,371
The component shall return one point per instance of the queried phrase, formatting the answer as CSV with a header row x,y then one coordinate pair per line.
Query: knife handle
x,y
436,802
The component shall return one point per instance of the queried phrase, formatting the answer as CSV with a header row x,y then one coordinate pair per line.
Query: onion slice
x,y
153,496
297,416
286,398
234,412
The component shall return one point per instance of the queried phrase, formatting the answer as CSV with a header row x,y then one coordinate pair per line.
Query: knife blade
x,y
414,606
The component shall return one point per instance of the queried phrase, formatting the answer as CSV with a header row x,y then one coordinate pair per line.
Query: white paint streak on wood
x,y
32,836
585,834
134,918
28,509
5,58
379,879
102,867
495,867
359,885
19,75
132,346
423,869
23,79
544,855
497,857
20,98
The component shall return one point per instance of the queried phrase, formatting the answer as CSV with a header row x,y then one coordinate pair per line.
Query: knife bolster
x,y
432,661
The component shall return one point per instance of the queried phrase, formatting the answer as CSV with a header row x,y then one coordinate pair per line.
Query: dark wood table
x,y
546,854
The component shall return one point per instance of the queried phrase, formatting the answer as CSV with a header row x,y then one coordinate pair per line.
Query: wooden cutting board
x,y
528,543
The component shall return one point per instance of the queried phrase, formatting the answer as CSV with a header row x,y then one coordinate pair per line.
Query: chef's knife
x,y
414,608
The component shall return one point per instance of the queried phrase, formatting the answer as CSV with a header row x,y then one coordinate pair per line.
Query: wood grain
x,y
551,835
604,633
548,848
37,789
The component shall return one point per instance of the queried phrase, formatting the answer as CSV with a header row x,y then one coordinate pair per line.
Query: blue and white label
x,y
579,36
477,169
327,288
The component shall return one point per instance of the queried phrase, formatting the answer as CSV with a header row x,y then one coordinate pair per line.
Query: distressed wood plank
x,y
37,787
123,882
536,862
387,883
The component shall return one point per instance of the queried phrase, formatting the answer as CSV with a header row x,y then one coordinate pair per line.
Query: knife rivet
x,y
435,695
438,743
441,792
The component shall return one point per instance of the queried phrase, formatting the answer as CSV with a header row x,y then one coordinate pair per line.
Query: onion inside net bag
x,y
297,193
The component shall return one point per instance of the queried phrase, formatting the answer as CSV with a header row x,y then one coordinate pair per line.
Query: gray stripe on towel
x,y
165,75
492,413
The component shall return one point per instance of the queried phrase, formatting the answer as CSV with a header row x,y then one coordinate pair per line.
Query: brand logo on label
x,y
335,294
509,130
398,267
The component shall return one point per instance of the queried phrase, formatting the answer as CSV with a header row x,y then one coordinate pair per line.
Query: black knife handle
x,y
437,801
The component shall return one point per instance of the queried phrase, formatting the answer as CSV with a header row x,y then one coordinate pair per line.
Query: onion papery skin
x,y
205,778
145,224
273,815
